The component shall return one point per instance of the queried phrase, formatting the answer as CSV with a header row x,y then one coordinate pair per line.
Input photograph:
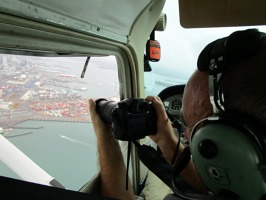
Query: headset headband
x,y
238,46
221,53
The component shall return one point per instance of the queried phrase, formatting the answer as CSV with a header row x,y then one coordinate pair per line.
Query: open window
x,y
44,114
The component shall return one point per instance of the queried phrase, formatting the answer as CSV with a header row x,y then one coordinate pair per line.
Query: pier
x,y
19,127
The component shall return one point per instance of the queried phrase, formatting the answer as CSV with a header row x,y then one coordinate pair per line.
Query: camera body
x,y
131,119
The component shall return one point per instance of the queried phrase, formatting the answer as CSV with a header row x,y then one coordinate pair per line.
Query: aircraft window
x,y
44,113
180,48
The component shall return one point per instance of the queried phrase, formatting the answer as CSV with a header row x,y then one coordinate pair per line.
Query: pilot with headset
x,y
227,148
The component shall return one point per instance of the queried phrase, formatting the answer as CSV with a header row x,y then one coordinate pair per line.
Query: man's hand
x,y
100,127
165,137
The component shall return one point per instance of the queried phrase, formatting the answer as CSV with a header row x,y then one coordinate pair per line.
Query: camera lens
x,y
105,109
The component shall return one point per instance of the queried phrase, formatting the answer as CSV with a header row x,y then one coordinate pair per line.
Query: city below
x,y
32,89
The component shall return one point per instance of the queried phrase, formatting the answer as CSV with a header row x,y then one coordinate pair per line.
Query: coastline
x,y
11,123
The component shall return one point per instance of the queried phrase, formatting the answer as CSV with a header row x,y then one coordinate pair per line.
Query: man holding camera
x,y
113,170
247,95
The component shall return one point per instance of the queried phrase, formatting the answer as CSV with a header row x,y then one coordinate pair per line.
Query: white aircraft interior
x,y
55,55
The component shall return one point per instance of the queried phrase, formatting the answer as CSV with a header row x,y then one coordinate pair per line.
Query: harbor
x,y
40,94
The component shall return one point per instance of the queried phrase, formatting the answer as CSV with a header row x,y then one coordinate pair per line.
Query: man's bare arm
x,y
113,170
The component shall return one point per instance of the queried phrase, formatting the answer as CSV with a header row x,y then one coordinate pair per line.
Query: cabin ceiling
x,y
107,18
114,18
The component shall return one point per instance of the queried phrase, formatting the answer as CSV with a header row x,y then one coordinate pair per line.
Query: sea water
x,y
65,150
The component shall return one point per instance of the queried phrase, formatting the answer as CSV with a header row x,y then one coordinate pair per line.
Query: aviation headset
x,y
229,148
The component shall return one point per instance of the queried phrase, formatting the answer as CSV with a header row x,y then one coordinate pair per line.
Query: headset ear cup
x,y
227,158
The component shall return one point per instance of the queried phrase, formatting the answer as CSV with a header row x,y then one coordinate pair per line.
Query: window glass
x,y
44,113
180,48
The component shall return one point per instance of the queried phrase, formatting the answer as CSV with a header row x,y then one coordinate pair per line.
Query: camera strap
x,y
156,163
128,160
153,160
176,124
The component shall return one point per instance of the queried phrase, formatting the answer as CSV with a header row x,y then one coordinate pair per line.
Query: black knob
x,y
207,149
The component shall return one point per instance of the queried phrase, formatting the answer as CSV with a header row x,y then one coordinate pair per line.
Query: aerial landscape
x,y
31,89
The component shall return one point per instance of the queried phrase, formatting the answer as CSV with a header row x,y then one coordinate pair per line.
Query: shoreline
x,y
13,122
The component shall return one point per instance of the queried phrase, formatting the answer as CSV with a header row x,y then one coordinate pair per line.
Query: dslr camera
x,y
131,119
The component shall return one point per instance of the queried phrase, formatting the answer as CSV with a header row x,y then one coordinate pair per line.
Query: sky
x,y
180,47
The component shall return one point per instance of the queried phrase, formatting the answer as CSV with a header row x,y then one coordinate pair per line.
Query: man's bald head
x,y
196,100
